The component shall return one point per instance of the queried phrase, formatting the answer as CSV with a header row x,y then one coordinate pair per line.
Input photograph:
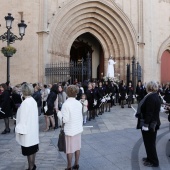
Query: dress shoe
x,y
68,169
149,164
56,127
75,167
6,131
34,168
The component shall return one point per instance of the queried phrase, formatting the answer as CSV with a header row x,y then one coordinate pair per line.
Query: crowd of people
x,y
96,98
91,100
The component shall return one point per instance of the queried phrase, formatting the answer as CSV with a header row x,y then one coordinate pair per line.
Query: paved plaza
x,y
112,143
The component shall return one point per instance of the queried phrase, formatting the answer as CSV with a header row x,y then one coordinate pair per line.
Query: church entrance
x,y
86,55
86,62
165,67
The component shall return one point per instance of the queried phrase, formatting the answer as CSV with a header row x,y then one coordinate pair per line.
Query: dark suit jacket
x,y
150,110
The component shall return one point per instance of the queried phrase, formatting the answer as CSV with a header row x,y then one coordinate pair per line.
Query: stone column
x,y
42,40
141,44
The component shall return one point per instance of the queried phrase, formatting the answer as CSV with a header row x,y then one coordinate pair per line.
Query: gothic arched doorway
x,y
86,56
165,67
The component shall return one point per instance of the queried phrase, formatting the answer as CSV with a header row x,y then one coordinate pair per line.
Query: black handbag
x,y
61,140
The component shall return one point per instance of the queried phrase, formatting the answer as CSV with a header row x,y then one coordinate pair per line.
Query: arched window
x,y
165,67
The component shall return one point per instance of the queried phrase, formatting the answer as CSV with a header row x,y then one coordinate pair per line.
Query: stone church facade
x,y
64,30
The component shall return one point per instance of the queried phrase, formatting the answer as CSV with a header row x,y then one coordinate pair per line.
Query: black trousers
x,y
149,139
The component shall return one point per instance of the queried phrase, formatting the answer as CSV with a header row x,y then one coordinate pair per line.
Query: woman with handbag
x,y
27,126
149,123
73,126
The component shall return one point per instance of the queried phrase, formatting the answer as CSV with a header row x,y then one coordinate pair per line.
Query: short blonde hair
x,y
72,91
27,89
152,86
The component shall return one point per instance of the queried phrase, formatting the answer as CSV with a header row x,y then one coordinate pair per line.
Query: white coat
x,y
27,123
71,113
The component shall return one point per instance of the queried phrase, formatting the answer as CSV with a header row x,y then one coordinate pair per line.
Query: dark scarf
x,y
138,113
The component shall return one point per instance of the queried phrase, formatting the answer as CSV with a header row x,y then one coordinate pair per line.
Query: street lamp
x,y
10,38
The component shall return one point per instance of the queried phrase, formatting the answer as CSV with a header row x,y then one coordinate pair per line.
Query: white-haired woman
x,y
71,113
148,109
27,126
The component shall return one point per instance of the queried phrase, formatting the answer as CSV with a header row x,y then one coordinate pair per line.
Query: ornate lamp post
x,y
10,38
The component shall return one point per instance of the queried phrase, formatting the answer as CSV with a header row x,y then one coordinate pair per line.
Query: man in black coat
x,y
150,112
140,91
114,91
37,96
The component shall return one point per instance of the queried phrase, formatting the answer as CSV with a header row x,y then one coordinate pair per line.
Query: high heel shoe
x,y
6,131
75,167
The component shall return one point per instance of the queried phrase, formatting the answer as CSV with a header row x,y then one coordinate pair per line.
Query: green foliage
x,y
8,51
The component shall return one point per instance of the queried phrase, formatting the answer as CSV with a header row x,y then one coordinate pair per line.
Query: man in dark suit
x,y
150,112
114,90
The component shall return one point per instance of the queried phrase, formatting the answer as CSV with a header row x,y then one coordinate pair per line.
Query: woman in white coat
x,y
71,113
27,126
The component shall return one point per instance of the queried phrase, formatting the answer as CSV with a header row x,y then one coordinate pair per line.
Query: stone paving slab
x,y
112,144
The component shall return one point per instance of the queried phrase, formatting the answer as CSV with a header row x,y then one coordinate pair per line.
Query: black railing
x,y
68,71
136,73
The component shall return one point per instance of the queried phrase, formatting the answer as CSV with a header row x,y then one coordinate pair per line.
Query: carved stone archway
x,y
105,20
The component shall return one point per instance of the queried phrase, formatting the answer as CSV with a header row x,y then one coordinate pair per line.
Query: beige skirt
x,y
73,143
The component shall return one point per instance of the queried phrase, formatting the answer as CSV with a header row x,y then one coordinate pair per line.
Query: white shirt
x,y
27,123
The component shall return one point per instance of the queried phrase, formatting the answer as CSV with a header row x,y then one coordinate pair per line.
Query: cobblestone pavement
x,y
112,143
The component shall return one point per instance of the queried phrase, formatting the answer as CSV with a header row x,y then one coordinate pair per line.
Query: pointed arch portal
x,y
104,20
